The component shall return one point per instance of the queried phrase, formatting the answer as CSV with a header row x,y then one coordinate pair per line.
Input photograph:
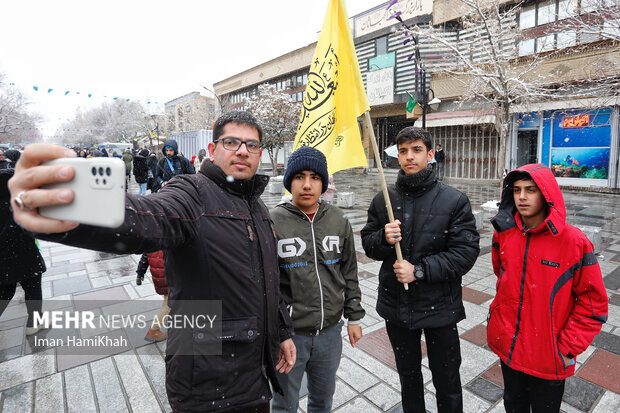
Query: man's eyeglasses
x,y
233,144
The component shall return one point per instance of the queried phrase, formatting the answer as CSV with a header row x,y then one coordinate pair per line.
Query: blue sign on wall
x,y
596,134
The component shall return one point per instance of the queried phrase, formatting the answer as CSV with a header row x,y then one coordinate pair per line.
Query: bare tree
x,y
119,121
16,123
278,116
484,59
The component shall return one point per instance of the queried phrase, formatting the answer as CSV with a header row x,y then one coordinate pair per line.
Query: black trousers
x,y
444,357
522,391
33,293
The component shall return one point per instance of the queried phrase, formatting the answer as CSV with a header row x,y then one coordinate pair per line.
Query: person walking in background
x,y
550,300
128,159
437,233
202,155
328,196
141,170
156,262
20,259
440,158
151,163
172,164
318,284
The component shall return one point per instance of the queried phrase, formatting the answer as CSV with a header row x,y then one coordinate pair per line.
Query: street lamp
x,y
219,102
420,76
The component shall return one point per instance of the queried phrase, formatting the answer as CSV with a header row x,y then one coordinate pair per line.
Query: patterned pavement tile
x,y
476,335
580,393
602,369
474,296
377,344
485,389
494,375
607,341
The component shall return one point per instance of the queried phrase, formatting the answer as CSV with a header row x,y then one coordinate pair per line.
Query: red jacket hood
x,y
546,182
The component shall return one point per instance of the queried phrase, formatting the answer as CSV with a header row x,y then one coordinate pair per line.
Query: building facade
x,y
469,132
189,112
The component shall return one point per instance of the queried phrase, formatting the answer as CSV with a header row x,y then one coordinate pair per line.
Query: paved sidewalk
x,y
34,379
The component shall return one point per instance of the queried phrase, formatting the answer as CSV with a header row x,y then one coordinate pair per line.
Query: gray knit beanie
x,y
306,158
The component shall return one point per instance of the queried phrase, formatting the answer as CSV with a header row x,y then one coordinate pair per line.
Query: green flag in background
x,y
411,104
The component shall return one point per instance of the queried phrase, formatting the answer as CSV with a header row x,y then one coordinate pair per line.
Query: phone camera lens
x,y
105,182
94,171
108,171
101,171
97,181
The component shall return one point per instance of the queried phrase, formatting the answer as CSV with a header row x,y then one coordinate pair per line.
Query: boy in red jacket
x,y
550,301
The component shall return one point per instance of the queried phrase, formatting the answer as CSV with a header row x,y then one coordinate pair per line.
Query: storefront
x,y
579,145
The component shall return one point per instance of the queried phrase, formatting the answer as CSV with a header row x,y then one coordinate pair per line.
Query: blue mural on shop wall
x,y
596,134
581,144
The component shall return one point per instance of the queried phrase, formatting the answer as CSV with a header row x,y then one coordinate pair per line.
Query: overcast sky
x,y
145,50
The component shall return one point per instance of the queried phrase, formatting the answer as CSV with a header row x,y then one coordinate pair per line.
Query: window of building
x,y
526,47
305,79
566,8
381,45
590,36
546,12
545,43
527,17
567,39
300,80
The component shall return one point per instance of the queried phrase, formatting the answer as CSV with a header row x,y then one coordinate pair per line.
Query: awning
x,y
456,118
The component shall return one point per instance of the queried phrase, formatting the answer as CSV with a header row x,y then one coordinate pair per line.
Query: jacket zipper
x,y
514,339
254,248
316,267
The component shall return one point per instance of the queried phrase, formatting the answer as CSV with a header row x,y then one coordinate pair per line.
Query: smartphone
x,y
99,192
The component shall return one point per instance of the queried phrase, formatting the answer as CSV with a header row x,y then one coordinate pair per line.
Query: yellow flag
x,y
335,95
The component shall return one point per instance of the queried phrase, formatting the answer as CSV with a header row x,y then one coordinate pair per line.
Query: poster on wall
x,y
589,163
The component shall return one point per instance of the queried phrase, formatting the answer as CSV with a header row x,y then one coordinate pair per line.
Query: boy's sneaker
x,y
155,335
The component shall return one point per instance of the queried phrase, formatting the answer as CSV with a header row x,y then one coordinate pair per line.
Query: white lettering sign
x,y
378,19
380,86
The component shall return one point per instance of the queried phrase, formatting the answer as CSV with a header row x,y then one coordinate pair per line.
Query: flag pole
x,y
386,195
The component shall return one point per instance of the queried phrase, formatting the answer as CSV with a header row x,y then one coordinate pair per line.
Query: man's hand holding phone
x,y
53,191
26,184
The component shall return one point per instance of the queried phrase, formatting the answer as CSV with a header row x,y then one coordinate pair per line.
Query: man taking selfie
x,y
220,245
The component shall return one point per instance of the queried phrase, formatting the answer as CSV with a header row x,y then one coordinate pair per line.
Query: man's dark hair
x,y
439,145
239,117
411,133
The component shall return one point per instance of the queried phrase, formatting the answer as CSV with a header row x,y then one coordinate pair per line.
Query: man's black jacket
x,y
439,233
220,244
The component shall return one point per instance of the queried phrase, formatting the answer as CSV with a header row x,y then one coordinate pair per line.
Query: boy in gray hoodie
x,y
318,281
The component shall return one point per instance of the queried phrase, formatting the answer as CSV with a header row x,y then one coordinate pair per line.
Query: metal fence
x,y
192,141
471,150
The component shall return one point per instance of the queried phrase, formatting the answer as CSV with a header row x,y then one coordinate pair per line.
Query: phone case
x,y
99,192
